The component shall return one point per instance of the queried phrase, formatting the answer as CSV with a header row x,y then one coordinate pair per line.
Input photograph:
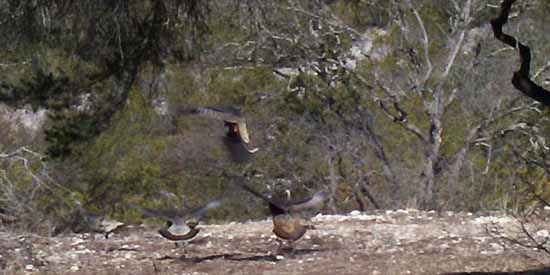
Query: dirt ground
x,y
383,242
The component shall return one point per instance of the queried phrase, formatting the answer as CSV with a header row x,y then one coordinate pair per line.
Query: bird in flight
x,y
287,224
237,137
181,225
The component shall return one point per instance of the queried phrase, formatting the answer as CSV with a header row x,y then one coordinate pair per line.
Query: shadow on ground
x,y
543,271
241,257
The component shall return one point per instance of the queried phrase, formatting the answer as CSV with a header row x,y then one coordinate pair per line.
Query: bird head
x,y
192,223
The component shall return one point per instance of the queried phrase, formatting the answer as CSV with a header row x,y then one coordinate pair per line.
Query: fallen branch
x,y
520,80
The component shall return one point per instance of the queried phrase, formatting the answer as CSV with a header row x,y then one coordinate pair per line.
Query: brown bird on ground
x,y
287,225
180,225
237,138
85,221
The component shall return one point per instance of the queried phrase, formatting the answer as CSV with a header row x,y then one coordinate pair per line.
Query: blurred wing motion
x,y
237,135
279,206
229,114
199,212
315,202
180,225
85,221
285,225
167,215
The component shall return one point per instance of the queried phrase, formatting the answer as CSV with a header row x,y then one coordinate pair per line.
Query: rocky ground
x,y
384,242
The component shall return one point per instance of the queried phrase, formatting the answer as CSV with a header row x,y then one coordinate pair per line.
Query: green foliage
x,y
238,87
98,67
363,14
123,161
43,90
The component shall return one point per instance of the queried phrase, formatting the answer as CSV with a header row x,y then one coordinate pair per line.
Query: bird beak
x,y
252,151
243,132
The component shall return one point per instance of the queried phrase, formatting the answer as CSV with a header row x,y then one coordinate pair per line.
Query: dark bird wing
x,y
239,151
168,215
229,114
176,216
237,135
275,207
315,202
86,221
239,181
280,206
232,118
200,211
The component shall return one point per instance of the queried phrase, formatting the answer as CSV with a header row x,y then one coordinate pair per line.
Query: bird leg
x,y
291,248
280,247
280,242
182,245
283,249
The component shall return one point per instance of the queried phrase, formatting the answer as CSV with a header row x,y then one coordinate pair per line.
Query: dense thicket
x,y
386,103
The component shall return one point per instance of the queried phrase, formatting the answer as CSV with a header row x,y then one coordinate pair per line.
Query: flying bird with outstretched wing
x,y
287,225
237,138
181,225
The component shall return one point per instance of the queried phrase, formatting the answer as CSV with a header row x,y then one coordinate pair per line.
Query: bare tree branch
x,y
520,80
425,44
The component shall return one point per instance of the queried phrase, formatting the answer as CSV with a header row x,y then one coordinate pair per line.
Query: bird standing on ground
x,y
180,225
287,225
85,221
237,138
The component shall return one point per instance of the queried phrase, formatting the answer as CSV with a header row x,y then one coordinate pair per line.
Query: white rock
x,y
279,257
497,248
29,267
77,241
354,213
542,233
491,219
54,259
83,251
74,268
